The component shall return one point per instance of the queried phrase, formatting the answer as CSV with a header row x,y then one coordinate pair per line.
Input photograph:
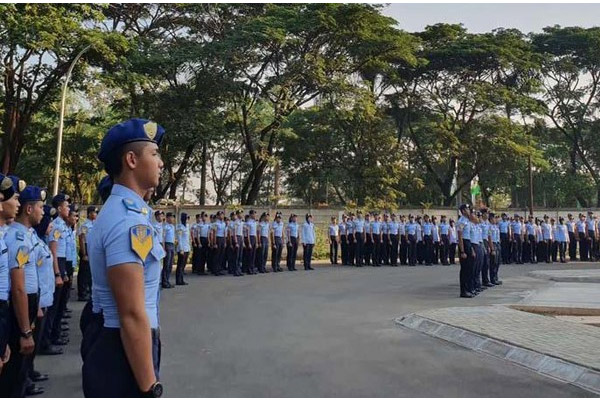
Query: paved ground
x,y
569,275
324,333
576,343
580,296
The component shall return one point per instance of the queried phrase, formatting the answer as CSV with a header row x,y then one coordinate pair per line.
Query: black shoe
x,y
167,285
33,390
310,268
38,377
497,282
51,351
466,295
487,284
280,269
182,283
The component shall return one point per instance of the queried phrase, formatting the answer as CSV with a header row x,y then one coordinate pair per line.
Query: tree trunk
x,y
277,178
255,183
203,173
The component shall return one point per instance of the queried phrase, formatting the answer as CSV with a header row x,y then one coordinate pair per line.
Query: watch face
x,y
158,390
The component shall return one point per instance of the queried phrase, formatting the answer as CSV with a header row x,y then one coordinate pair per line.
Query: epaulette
x,y
131,205
20,236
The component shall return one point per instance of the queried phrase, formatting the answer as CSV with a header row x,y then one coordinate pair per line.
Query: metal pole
x,y
530,187
61,119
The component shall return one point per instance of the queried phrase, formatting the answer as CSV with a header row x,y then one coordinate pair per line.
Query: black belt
x,y
4,304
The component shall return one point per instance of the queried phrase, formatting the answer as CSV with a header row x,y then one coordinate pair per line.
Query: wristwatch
x,y
57,275
156,390
27,334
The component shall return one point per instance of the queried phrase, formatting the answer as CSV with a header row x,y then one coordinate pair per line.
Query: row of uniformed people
x,y
372,240
33,289
238,244
545,239
479,246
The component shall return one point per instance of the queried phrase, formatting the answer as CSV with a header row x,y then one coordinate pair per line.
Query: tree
x,y
38,42
571,80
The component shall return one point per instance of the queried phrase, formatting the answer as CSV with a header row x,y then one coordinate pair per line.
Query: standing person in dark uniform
x,y
582,237
351,239
84,275
465,251
445,240
394,241
420,241
411,234
265,227
572,238
232,245
343,239
453,242
403,241
368,248
435,232
183,248
308,241
125,256
591,236
547,239
555,245
385,240
277,241
195,235
169,232
531,239
562,237
292,242
333,241
239,237
428,239
517,240
504,227
359,236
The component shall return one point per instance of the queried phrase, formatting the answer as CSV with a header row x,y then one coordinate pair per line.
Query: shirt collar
x,y
19,226
123,191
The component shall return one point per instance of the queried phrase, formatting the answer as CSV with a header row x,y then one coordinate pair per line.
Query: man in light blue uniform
x,y
24,291
84,277
169,235
277,242
183,248
308,241
125,255
359,228
292,242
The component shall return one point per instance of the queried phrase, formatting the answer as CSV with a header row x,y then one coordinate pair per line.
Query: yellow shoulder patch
x,y
141,240
56,234
22,256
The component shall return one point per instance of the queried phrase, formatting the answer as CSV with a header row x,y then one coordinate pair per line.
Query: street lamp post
x,y
61,119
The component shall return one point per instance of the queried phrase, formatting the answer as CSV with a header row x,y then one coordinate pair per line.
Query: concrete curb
x,y
554,278
562,370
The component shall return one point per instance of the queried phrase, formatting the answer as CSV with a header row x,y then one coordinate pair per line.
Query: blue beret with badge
x,y
105,188
11,185
59,199
133,130
49,213
32,193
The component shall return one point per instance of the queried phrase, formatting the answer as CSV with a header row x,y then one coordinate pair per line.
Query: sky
x,y
479,18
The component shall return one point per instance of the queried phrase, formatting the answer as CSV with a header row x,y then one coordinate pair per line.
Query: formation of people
x,y
38,258
125,253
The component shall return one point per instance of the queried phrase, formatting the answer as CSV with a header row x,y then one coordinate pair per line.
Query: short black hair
x,y
114,168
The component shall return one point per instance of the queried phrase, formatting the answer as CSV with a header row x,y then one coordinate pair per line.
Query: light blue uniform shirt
x,y
503,226
516,227
375,227
293,227
401,228
169,230
333,230
393,227
427,228
20,243
45,272
278,229
591,224
158,227
251,224
308,233
580,226
385,228
562,233
220,228
183,238
359,225
546,231
59,235
530,228
476,233
342,228
122,220
411,228
264,229
464,225
444,228
203,229
4,275
349,227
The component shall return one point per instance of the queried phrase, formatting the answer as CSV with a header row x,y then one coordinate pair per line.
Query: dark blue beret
x,y
32,193
74,208
59,199
133,130
9,185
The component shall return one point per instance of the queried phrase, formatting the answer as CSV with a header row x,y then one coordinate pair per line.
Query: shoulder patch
x,y
56,234
20,235
84,230
22,256
131,206
141,240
